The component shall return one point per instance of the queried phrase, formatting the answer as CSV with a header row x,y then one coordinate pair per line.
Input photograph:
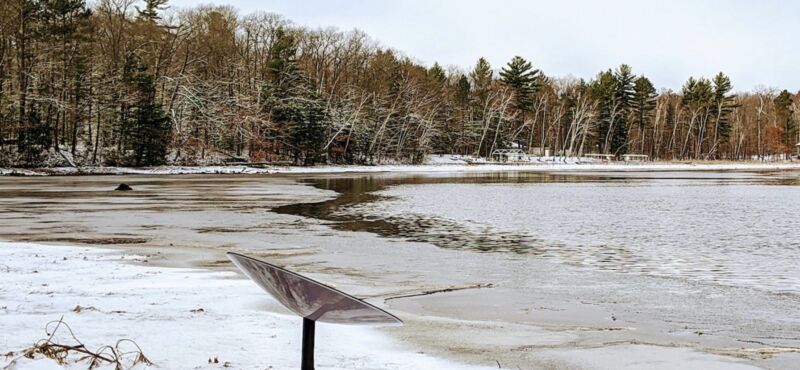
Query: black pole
x,y
307,362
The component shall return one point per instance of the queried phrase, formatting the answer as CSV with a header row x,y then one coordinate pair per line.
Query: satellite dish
x,y
311,300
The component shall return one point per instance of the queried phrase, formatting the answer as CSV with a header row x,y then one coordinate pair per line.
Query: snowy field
x,y
180,318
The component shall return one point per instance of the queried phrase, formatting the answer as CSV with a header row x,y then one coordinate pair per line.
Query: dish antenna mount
x,y
311,300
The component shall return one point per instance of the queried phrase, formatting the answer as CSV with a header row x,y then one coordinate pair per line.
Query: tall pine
x,y
784,116
624,97
520,75
644,96
293,106
147,127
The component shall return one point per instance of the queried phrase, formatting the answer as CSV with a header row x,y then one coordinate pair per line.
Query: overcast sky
x,y
753,41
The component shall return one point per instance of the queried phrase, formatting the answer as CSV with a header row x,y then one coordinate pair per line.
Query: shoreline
x,y
448,167
438,324
133,299
170,316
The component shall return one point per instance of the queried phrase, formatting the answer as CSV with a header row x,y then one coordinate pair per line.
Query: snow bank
x,y
439,165
159,308
433,163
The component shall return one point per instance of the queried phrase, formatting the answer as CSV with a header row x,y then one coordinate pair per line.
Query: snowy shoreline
x,y
184,318
180,317
453,166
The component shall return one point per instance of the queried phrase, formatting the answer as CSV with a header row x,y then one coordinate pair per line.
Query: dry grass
x,y
124,354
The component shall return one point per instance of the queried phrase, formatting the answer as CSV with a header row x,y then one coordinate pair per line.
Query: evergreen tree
x,y
151,9
784,116
624,98
33,138
305,121
148,126
601,90
697,92
615,95
437,75
283,72
293,105
462,91
525,82
724,104
698,98
481,77
520,76
644,96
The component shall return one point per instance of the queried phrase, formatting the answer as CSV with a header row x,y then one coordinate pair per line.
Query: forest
x,y
140,83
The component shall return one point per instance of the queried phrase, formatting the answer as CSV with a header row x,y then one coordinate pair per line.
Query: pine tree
x,y
148,126
481,76
151,9
33,138
698,98
292,104
624,98
437,75
784,116
615,94
601,90
722,108
644,96
520,76
283,72
305,122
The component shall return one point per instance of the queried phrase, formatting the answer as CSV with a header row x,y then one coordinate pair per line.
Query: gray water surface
x,y
729,228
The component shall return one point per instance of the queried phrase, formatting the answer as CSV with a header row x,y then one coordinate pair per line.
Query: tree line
x,y
136,83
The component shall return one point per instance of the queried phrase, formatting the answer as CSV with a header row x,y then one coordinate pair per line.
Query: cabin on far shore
x,y
605,157
612,157
634,157
509,155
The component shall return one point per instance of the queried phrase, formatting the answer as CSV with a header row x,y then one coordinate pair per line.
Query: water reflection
x,y
727,228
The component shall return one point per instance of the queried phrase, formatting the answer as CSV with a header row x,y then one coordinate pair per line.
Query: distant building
x,y
606,157
634,157
538,151
509,155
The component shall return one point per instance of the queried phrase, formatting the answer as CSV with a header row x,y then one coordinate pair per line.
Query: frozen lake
x,y
734,229
710,257
557,266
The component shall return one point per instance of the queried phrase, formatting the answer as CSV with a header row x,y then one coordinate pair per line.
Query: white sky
x,y
753,41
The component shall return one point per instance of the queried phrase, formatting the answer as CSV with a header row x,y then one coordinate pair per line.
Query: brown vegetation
x,y
136,83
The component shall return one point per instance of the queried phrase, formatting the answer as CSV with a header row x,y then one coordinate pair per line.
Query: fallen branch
x,y
60,352
445,290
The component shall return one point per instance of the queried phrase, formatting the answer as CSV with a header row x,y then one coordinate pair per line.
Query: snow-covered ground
x,y
180,318
434,163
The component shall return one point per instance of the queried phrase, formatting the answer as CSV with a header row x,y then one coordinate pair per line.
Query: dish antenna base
x,y
307,362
